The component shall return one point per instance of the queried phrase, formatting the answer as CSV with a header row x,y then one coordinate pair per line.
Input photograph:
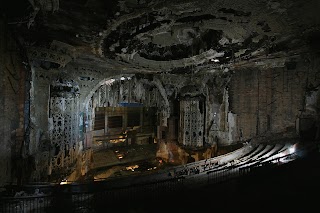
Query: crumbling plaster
x,y
257,63
16,161
237,26
223,131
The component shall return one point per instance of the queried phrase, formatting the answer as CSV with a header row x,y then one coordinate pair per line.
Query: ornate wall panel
x,y
191,122
64,110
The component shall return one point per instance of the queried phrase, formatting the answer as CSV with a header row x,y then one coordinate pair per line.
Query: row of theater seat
x,y
247,156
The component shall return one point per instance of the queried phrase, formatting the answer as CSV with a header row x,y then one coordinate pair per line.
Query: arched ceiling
x,y
177,36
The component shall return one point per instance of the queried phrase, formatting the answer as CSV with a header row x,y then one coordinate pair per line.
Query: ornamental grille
x,y
64,131
192,123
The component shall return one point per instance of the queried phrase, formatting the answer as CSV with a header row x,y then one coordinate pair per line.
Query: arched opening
x,y
122,121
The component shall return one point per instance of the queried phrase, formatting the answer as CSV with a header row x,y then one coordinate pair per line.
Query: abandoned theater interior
x,y
182,102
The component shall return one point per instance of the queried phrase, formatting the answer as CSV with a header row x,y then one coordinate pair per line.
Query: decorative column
x,y
64,111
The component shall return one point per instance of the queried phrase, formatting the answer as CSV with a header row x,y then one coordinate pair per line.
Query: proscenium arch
x,y
96,87
156,82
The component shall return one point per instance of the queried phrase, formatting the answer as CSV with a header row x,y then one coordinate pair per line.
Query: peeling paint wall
x,y
39,114
16,162
5,118
269,101
56,140
219,124
256,62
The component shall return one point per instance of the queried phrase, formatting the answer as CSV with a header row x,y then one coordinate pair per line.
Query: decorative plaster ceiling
x,y
170,36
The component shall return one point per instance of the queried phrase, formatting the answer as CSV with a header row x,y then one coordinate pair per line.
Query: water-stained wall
x,y
16,163
271,101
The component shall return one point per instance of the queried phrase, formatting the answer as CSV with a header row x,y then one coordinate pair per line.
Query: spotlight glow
x,y
110,81
63,182
291,150
215,60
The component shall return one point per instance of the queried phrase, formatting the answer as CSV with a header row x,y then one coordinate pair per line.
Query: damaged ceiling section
x,y
170,36
178,35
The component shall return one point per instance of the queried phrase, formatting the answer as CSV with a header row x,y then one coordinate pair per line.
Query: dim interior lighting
x,y
281,155
110,81
152,168
63,182
291,150
132,167
118,140
215,60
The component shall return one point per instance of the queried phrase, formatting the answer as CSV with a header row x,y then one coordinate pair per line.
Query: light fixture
x,y
215,60
291,150
110,81
63,182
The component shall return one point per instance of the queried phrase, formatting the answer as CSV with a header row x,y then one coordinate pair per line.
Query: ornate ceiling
x,y
179,36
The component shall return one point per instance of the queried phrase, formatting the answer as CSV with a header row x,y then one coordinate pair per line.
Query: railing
x,y
233,171
88,197
26,204
210,163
